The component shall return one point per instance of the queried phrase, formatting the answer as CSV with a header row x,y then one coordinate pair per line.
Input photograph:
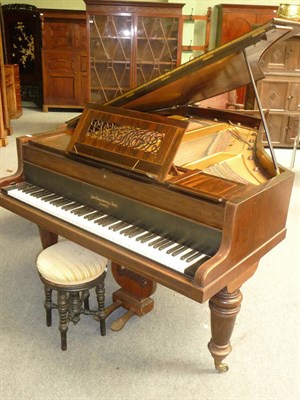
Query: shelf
x,y
106,88
192,18
194,48
111,37
157,62
109,60
157,38
129,38
142,62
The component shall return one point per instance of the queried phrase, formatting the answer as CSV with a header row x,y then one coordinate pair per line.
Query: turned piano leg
x,y
224,308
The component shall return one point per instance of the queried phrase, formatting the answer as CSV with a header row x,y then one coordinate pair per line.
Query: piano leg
x,y
133,295
47,238
224,308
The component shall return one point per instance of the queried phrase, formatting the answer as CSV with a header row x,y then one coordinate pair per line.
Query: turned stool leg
x,y
74,309
86,296
224,308
62,304
100,292
48,305
72,271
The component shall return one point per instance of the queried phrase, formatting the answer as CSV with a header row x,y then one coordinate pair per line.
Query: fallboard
x,y
169,225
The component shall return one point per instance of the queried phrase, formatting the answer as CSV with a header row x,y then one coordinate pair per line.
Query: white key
x,y
163,257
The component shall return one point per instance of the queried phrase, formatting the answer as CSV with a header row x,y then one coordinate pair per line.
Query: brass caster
x,y
221,367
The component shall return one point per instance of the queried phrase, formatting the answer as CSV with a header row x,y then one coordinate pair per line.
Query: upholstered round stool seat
x,y
72,270
67,263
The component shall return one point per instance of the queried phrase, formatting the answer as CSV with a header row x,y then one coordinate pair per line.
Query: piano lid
x,y
117,133
215,72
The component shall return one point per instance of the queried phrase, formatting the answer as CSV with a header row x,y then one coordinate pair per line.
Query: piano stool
x,y
72,270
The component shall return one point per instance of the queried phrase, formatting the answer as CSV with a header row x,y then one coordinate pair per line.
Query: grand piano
x,y
170,192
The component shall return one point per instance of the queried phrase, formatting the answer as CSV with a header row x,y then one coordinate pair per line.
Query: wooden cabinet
x,y
5,128
130,43
64,59
233,20
13,92
23,47
279,91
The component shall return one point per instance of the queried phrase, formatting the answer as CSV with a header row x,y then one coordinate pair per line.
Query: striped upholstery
x,y
67,263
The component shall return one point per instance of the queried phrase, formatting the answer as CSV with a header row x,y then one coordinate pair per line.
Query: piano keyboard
x,y
157,248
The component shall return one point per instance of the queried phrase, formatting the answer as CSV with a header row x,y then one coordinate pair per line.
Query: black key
x,y
157,241
40,194
23,185
31,189
190,254
147,236
167,244
77,210
95,215
120,225
174,248
60,202
103,220
16,186
36,189
46,197
82,210
53,197
71,206
136,232
177,252
109,221
130,232
194,257
161,243
191,270
127,230
86,211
